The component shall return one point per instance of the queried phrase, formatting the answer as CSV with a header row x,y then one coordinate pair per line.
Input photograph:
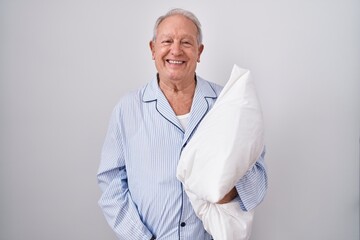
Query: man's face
x,y
176,50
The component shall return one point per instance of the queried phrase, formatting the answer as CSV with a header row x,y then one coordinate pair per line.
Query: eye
x,y
166,42
186,43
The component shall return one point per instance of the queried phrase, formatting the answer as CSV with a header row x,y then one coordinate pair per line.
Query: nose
x,y
176,49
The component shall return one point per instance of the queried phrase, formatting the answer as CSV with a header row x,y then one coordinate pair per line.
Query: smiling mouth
x,y
175,62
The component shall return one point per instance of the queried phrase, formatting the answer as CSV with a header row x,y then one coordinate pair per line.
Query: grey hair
x,y
178,11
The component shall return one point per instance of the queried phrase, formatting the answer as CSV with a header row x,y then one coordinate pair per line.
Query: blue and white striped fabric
x,y
141,195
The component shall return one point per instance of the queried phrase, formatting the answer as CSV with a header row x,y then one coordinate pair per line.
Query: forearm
x,y
120,211
116,203
229,196
252,186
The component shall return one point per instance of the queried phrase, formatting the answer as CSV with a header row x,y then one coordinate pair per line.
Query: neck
x,y
179,96
184,87
174,88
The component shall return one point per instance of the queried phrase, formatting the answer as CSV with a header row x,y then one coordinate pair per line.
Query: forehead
x,y
177,25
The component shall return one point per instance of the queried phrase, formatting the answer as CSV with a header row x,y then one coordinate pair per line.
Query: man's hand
x,y
229,196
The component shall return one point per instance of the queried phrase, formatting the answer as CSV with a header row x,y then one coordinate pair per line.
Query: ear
x,y
152,48
200,50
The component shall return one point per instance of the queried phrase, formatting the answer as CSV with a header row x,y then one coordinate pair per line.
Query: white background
x,y
65,64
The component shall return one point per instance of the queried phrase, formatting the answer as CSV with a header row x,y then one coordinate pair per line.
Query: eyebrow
x,y
182,36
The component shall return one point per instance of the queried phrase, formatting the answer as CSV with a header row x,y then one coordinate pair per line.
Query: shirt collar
x,y
152,90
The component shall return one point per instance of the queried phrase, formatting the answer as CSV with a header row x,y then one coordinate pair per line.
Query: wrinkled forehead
x,y
177,25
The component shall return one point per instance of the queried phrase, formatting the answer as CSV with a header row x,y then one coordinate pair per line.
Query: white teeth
x,y
175,62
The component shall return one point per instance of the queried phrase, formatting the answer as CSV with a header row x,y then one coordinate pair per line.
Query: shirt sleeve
x,y
253,185
116,203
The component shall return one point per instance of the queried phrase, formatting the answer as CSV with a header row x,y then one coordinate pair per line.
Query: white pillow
x,y
226,144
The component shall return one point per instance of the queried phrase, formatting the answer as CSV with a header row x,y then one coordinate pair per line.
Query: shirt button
x,y
183,224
